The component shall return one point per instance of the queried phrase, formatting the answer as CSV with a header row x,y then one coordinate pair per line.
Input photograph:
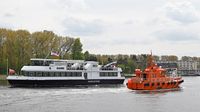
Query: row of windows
x,y
53,74
160,84
108,74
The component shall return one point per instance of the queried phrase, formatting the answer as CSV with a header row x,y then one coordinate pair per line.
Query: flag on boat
x,y
11,71
54,54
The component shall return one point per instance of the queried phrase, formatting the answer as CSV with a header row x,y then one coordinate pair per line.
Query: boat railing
x,y
108,68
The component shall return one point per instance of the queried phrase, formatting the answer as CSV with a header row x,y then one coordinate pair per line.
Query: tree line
x,y
17,47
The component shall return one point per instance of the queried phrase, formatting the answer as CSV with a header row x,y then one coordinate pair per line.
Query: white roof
x,y
35,68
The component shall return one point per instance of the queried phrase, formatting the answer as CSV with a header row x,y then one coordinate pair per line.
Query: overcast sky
x,y
167,27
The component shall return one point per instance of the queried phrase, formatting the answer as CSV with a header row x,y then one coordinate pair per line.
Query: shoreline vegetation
x,y
17,47
3,77
3,80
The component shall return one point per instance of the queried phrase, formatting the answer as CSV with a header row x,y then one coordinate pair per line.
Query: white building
x,y
188,68
187,65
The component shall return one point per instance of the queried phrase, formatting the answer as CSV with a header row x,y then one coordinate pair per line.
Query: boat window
x,y
26,73
144,76
85,75
60,68
57,74
40,63
152,84
67,74
31,74
39,74
51,74
71,74
94,65
147,84
108,74
62,74
45,74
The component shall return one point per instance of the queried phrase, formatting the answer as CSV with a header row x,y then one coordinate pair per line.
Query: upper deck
x,y
63,65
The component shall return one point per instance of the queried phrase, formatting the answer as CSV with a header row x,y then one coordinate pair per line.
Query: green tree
x,y
77,50
86,55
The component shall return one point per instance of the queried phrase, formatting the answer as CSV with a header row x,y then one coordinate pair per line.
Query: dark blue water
x,y
101,99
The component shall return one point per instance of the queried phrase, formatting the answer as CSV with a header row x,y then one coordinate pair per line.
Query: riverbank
x,y
3,77
3,80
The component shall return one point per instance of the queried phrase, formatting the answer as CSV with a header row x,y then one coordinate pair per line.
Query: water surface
x,y
101,99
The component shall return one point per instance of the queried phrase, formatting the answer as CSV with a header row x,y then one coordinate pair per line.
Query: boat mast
x,y
150,62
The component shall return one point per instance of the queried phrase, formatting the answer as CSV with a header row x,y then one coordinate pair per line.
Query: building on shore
x,y
185,68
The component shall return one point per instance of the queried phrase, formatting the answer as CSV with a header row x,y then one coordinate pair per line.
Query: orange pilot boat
x,y
154,77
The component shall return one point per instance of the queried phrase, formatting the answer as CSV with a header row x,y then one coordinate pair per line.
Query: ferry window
x,y
51,74
70,74
67,74
45,74
74,74
31,73
62,74
79,74
85,75
57,73
94,65
34,74
60,67
108,74
39,74
26,73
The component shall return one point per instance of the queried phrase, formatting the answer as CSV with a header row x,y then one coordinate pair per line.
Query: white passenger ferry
x,y
52,72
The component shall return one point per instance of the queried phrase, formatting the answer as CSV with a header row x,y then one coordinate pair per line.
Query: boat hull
x,y
153,85
62,83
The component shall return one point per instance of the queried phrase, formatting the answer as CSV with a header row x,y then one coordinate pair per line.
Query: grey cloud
x,y
8,15
176,36
83,28
183,12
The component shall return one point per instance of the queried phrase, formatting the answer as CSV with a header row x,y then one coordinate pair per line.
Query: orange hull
x,y
153,84
154,77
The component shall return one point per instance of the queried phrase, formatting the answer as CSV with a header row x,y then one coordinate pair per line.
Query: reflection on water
x,y
157,91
